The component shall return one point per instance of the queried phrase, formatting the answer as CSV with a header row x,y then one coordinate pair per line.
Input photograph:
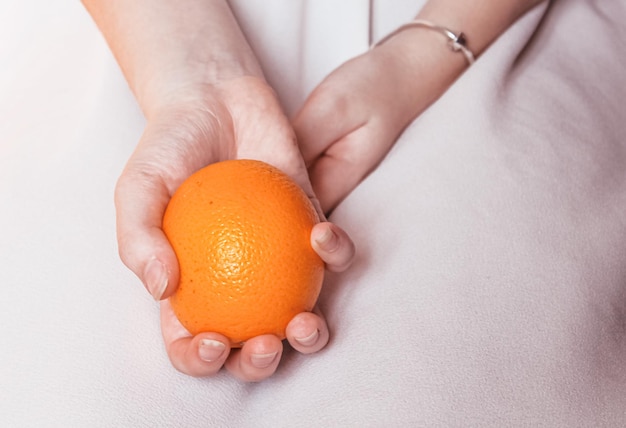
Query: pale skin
x,y
205,99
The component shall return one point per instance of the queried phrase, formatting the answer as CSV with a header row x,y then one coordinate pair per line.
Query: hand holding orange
x,y
241,232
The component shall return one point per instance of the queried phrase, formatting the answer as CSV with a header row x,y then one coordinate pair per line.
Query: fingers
x,y
324,106
206,353
341,142
140,200
308,332
346,162
202,355
333,245
257,360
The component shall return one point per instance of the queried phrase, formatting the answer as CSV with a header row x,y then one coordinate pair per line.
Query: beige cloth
x,y
490,284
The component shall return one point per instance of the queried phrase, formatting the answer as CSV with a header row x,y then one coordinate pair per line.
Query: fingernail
x,y
210,350
262,361
310,339
328,240
155,277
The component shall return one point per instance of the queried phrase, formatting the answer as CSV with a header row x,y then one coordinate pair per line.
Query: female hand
x,y
237,118
352,119
205,99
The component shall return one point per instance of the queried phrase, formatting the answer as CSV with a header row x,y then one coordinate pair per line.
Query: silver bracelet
x,y
456,41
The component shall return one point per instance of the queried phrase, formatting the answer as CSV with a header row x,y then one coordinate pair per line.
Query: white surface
x,y
490,288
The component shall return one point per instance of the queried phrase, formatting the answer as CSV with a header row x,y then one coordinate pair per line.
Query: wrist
x,y
202,97
423,65
456,41
191,77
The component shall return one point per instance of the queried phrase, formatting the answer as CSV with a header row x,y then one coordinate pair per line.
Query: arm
x,y
482,21
205,100
161,45
366,103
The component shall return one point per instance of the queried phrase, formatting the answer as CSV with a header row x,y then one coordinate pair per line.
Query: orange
x,y
241,232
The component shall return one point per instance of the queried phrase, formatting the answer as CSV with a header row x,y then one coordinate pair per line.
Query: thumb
x,y
333,245
140,200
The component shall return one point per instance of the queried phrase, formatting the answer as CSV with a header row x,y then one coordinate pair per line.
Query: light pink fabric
x,y
490,286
